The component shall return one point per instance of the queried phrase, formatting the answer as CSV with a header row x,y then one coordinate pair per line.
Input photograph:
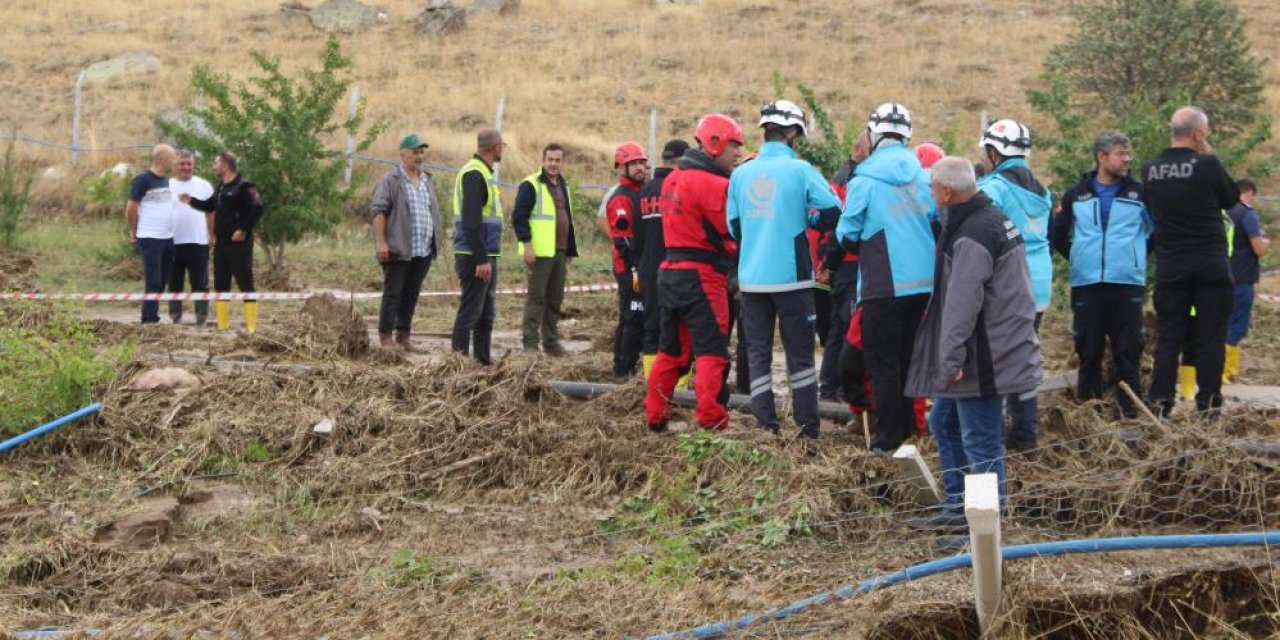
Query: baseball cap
x,y
674,149
412,141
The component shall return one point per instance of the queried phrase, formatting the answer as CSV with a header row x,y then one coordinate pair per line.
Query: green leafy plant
x,y
15,195
1190,52
50,363
281,129
256,452
406,567
104,194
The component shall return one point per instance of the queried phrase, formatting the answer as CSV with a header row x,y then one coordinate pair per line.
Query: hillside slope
x,y
582,72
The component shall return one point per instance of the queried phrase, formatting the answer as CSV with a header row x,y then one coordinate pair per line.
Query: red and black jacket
x,y
648,242
694,224
623,212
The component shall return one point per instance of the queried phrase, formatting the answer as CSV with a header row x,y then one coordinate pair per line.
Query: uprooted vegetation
x,y
476,502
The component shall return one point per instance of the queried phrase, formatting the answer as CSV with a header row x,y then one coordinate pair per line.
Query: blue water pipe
x,y
49,426
916,572
933,567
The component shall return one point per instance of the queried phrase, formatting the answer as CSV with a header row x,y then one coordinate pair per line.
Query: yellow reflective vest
x,y
542,220
491,233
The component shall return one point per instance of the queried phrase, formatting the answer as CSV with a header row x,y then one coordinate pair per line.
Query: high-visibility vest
x,y
542,220
491,234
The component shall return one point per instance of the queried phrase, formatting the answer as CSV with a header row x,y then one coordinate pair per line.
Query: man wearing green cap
x,y
406,232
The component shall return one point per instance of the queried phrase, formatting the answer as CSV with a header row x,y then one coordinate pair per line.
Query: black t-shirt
x,y
1187,193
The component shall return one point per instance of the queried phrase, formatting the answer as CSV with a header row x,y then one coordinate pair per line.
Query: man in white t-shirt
x,y
190,238
150,217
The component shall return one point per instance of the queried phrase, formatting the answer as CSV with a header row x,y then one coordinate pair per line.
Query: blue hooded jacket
x,y
1028,204
889,214
772,201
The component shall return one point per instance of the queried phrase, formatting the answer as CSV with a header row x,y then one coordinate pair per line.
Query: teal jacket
x,y
1028,204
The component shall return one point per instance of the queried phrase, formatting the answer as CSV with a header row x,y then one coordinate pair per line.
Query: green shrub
x,y
50,362
15,194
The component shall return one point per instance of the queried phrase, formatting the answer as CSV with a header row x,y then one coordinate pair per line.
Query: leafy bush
x,y
105,193
50,363
15,194
280,126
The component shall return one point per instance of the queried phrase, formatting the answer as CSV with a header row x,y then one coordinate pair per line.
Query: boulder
x,y
185,120
441,18
345,16
129,63
168,378
501,7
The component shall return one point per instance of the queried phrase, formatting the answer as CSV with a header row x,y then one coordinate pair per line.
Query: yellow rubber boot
x,y
682,383
646,363
1187,383
222,309
250,316
1231,368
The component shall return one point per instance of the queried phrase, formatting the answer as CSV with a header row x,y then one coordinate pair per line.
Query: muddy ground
x,y
448,500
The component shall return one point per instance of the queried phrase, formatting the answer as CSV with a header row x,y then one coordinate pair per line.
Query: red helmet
x,y
720,127
929,153
627,153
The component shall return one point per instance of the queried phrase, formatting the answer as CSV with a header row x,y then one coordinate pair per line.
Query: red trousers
x,y
694,308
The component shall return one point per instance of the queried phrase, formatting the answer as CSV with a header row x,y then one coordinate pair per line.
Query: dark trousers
x,y
542,304
473,326
629,335
1108,313
888,336
844,283
1209,289
1024,412
822,300
233,260
401,284
190,262
652,317
157,261
741,362
792,313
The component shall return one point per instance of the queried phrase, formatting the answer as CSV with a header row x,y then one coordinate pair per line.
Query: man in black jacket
x,y
1187,190
649,245
236,207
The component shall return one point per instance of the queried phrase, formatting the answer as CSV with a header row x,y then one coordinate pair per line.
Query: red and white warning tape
x,y
264,295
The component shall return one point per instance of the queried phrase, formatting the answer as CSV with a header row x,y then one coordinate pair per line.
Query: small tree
x,y
1131,63
827,149
15,195
278,127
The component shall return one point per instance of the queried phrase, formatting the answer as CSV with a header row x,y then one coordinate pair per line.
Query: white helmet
x,y
889,117
784,113
1008,137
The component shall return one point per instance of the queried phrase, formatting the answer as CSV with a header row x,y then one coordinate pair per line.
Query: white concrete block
x,y
916,472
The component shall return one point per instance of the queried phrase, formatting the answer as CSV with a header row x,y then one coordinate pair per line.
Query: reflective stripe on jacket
x,y
492,214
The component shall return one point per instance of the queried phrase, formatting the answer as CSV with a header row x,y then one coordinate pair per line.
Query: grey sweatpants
x,y
793,313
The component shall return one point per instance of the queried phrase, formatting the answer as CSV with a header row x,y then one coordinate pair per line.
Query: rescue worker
x,y
236,206
543,223
1012,187
978,342
773,201
1187,189
693,279
888,220
1248,244
1104,229
477,243
622,213
650,247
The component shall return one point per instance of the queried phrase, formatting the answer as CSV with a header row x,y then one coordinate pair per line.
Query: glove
x,y
635,283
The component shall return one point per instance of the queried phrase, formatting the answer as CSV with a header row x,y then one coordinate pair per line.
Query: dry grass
x,y
585,73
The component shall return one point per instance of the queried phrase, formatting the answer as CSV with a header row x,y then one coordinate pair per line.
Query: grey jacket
x,y
391,198
981,317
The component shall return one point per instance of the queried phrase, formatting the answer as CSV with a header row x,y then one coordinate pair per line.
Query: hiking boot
x,y
386,341
402,339
952,522
555,350
658,427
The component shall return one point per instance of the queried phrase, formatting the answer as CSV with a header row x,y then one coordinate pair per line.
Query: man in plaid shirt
x,y
406,232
